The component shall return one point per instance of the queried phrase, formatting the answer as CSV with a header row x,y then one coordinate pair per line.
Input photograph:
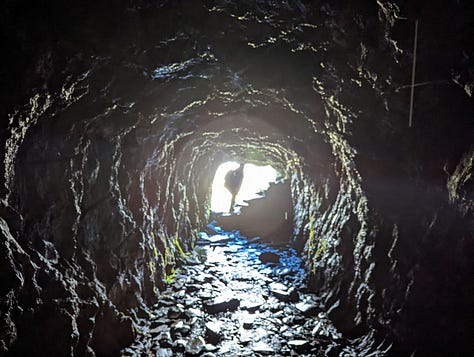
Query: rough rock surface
x,y
115,118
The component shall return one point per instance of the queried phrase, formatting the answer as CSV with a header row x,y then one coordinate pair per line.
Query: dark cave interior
x,y
115,119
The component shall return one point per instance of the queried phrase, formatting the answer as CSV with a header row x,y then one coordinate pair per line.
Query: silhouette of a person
x,y
233,181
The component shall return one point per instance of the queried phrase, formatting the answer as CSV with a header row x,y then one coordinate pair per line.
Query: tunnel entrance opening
x,y
263,206
256,179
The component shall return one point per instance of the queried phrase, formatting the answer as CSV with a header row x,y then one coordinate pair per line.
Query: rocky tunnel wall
x,y
118,119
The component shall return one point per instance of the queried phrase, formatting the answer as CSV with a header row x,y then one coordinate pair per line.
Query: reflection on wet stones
x,y
244,298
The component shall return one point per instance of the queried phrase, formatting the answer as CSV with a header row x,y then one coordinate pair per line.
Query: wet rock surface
x,y
237,305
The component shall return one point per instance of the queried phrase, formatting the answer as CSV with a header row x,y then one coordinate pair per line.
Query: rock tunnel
x,y
115,119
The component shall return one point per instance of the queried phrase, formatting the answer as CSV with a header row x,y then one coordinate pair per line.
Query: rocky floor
x,y
239,297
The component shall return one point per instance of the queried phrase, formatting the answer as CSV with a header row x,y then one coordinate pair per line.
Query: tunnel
x,y
116,116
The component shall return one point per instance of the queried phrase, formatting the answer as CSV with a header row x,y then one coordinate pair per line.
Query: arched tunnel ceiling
x,y
119,115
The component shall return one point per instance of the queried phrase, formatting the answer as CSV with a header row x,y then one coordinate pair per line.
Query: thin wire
x,y
412,94
441,81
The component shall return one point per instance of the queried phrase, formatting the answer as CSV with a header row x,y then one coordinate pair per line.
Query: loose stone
x,y
283,293
175,312
165,339
248,321
301,346
252,305
164,352
221,304
195,346
307,309
263,348
213,331
269,257
159,329
179,345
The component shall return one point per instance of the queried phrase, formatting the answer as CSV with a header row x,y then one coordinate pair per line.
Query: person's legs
x,y
232,203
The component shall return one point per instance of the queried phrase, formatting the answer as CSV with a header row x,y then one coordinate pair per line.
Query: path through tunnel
x,y
119,118
242,297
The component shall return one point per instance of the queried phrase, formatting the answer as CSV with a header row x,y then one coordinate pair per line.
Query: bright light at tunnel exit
x,y
256,179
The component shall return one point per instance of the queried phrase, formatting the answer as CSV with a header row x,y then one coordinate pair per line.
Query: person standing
x,y
233,182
